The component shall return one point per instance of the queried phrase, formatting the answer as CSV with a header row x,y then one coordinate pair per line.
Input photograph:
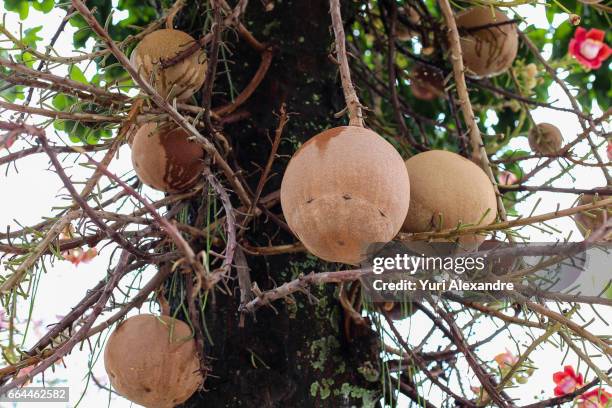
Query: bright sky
x,y
33,192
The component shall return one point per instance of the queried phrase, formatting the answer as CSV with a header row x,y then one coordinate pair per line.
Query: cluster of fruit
x,y
162,154
344,190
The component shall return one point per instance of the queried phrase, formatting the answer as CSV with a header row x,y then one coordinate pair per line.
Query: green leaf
x,y
561,39
18,6
27,58
62,102
92,138
10,92
45,5
59,125
538,36
30,37
77,75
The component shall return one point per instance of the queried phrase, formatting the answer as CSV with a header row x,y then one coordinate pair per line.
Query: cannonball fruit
x,y
487,51
447,190
152,361
591,220
344,189
545,139
426,84
180,80
164,158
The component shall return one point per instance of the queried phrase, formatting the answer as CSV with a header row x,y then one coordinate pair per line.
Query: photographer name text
x,y
441,286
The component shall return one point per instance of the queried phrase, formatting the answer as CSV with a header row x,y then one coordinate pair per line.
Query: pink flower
x,y
588,47
7,140
506,359
597,398
507,178
77,255
567,381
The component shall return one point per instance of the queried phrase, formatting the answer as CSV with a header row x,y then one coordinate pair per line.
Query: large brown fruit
x,y
545,139
165,159
589,221
180,80
344,189
488,51
152,361
446,190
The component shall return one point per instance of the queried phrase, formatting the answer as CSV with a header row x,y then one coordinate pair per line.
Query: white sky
x,y
27,195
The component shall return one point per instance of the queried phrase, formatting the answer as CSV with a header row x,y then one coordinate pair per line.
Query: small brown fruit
x,y
344,189
165,159
446,190
152,361
488,51
180,80
426,84
545,139
397,310
591,220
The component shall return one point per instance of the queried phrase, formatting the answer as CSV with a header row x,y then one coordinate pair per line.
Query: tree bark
x,y
297,354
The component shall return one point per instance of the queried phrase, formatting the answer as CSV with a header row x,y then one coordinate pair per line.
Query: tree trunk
x,y
295,354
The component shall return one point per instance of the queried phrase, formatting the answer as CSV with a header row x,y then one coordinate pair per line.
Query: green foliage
x,y
77,131
22,7
8,92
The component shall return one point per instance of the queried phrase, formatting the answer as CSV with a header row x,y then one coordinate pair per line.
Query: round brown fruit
x,y
488,51
164,158
591,220
545,139
180,80
447,190
343,190
152,361
426,84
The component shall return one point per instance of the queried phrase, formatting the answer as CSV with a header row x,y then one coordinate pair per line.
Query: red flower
x,y
507,178
597,398
588,47
567,381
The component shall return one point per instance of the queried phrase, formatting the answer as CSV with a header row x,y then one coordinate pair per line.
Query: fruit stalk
x,y
353,105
